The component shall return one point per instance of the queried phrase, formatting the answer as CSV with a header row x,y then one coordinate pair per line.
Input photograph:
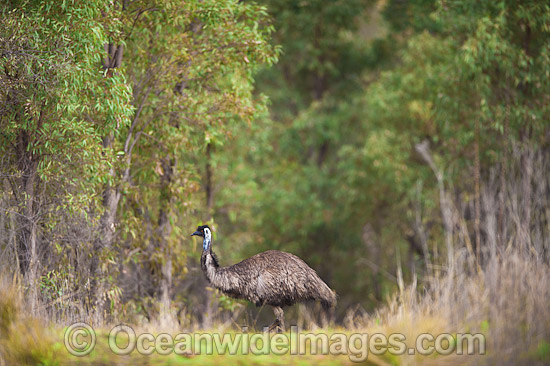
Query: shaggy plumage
x,y
270,278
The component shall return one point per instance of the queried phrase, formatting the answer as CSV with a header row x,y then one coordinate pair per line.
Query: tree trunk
x,y
27,239
526,159
111,198
445,202
166,316
164,230
477,195
501,226
526,188
208,314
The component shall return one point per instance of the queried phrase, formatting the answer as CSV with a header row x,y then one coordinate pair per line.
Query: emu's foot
x,y
276,326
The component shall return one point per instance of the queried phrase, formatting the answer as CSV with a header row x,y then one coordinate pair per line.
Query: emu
x,y
271,278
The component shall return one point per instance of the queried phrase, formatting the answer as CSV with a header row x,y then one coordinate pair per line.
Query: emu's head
x,y
204,232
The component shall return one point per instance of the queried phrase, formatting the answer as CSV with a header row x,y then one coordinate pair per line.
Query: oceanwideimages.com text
x,y
80,340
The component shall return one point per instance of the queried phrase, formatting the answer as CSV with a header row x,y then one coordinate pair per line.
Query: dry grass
x,y
507,302
24,340
504,294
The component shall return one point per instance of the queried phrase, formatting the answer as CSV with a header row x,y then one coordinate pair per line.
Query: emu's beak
x,y
197,233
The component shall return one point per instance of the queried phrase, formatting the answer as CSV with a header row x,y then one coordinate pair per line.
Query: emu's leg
x,y
280,315
279,321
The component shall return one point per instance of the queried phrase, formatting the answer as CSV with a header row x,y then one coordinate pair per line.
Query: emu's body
x,y
272,278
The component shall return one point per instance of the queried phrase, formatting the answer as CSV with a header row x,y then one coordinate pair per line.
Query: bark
x,y
445,202
501,227
13,239
111,198
114,56
32,278
526,157
10,228
209,310
477,196
526,188
164,231
421,232
27,239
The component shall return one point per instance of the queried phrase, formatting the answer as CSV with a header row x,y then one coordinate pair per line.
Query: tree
x,y
56,105
191,75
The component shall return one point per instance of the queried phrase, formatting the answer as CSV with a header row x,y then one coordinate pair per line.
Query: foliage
x,y
335,174
53,95
56,107
361,135
192,71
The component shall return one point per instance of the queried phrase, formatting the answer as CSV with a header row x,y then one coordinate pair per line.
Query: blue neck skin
x,y
206,243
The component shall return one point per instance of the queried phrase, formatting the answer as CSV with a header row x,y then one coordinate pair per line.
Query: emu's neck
x,y
219,277
209,264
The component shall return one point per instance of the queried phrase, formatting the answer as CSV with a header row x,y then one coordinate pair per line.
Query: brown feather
x,y
273,278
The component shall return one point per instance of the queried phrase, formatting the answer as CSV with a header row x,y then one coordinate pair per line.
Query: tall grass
x,y
501,290
24,339
504,292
